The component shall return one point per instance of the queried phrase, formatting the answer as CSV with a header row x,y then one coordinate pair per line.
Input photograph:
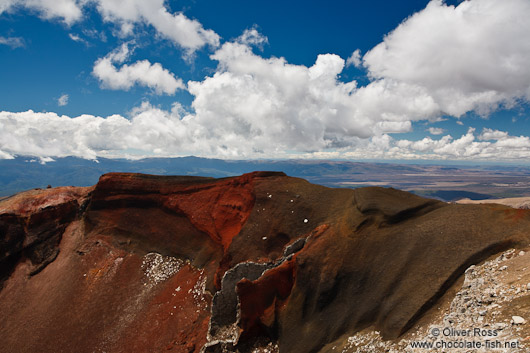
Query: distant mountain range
x,y
443,182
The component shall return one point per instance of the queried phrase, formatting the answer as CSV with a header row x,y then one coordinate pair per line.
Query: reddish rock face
x,y
219,208
142,263
31,225
262,299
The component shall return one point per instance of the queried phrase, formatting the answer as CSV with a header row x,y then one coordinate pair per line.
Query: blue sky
x,y
251,79
51,63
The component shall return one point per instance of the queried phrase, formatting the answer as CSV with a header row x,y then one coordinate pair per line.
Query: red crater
x,y
142,263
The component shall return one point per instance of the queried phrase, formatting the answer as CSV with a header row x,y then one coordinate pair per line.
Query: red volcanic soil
x,y
142,263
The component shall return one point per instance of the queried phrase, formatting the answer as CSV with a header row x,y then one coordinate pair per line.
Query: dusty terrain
x,y
515,202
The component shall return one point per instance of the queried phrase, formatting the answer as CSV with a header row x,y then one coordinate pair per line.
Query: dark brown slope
x,y
144,263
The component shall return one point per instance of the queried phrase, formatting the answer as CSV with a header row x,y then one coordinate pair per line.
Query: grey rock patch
x,y
478,304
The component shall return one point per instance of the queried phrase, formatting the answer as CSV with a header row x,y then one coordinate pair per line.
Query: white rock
x,y
503,268
499,326
517,320
306,220
470,269
521,253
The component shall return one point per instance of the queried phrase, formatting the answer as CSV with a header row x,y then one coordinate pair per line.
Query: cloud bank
x,y
157,133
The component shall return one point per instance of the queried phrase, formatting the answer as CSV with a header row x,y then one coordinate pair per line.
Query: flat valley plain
x,y
444,182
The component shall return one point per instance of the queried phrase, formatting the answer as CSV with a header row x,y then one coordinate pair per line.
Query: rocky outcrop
x,y
31,226
188,264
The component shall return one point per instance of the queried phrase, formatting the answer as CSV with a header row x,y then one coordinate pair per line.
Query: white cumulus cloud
x,y
48,134
490,134
69,11
127,14
466,147
149,131
355,59
252,37
436,130
268,105
188,33
470,57
141,73
62,100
